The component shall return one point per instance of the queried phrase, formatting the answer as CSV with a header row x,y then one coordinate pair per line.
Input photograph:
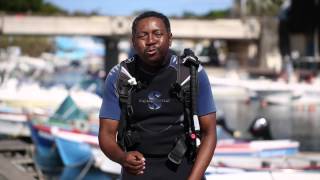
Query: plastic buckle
x,y
177,153
131,138
188,58
129,110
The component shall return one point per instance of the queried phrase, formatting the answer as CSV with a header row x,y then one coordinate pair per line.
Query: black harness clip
x,y
179,150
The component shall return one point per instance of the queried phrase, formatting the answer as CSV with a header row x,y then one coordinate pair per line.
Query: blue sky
x,y
127,7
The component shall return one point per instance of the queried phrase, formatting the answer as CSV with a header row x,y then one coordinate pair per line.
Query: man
x,y
155,114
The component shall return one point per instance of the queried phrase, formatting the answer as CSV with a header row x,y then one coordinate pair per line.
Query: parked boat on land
x,y
267,175
13,121
262,88
69,117
307,99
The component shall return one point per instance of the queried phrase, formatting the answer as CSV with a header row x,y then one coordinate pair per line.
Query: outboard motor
x,y
260,129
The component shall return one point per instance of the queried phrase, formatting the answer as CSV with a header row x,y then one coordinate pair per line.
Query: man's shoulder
x,y
129,59
114,71
123,64
174,61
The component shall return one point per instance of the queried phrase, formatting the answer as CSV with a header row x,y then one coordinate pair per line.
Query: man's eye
x,y
141,35
158,33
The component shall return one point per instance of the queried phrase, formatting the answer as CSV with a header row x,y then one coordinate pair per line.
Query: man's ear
x,y
170,39
132,41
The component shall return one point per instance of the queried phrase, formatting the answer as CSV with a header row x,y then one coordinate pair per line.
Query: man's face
x,y
151,40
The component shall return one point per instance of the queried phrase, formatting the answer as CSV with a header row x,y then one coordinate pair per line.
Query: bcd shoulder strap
x,y
124,87
181,88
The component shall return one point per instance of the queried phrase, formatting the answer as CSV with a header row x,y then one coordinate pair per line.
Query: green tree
x,y
213,14
216,14
18,6
189,14
30,7
50,9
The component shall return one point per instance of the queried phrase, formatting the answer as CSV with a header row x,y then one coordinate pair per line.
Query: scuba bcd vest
x,y
183,89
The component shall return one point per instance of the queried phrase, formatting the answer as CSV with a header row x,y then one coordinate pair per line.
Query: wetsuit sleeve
x,y
205,103
110,108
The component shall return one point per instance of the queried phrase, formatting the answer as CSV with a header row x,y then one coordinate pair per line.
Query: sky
x,y
128,7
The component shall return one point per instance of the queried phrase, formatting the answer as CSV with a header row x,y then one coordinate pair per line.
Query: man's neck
x,y
152,69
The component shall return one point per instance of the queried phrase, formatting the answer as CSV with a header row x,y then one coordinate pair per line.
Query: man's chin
x,y
154,61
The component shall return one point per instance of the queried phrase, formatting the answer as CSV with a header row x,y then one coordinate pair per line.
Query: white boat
x,y
256,148
295,100
264,155
13,124
13,121
15,113
31,96
260,88
267,175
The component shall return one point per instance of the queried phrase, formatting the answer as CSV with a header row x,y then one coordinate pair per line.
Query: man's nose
x,y
151,39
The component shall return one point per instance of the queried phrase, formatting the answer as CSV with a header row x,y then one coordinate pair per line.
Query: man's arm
x,y
207,146
132,161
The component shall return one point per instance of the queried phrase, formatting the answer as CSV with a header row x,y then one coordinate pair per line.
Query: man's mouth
x,y
151,51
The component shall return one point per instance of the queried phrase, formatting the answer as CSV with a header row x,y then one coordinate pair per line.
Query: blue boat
x,y
47,155
73,153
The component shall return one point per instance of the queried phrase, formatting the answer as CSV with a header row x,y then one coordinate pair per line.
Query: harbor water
x,y
301,123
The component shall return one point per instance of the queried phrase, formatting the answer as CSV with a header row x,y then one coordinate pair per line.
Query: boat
x,y
262,88
77,112
299,100
266,175
47,155
13,121
65,130
90,148
257,148
77,148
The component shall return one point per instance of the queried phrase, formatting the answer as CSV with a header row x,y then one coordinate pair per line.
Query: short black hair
x,y
148,14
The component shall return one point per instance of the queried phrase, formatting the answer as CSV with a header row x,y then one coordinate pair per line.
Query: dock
x,y
16,160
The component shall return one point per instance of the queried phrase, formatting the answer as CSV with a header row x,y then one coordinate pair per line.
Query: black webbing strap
x,y
190,60
125,92
187,93
123,98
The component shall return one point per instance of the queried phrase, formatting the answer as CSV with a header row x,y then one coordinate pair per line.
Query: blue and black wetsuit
x,y
158,116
